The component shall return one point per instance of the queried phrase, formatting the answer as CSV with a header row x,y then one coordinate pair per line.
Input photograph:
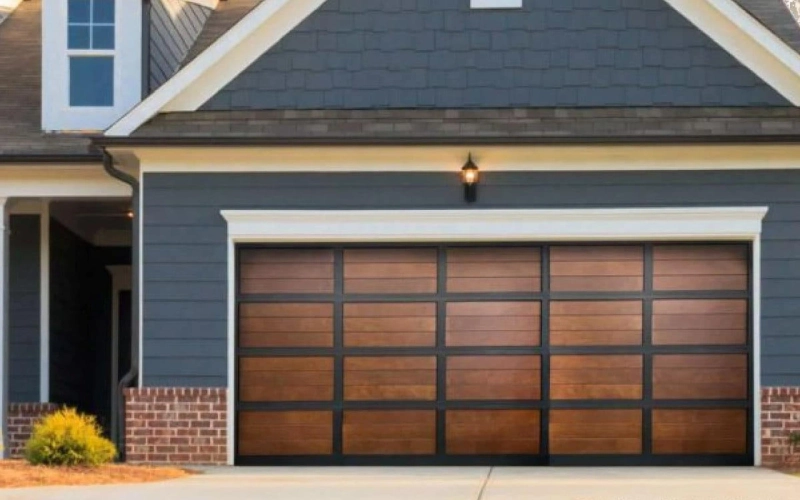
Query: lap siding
x,y
185,236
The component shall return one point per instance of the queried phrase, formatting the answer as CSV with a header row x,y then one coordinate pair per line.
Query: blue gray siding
x,y
185,253
174,27
356,54
24,285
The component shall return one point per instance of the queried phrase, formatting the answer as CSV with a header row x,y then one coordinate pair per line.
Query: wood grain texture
x,y
390,378
699,432
471,270
390,270
492,432
596,268
493,378
700,267
390,325
598,432
596,377
595,323
700,376
493,324
289,271
285,433
700,322
389,432
285,325
286,379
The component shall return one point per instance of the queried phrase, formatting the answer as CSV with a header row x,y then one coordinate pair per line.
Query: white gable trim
x,y
215,67
723,20
749,41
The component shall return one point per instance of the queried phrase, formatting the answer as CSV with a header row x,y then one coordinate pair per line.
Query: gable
x,y
425,54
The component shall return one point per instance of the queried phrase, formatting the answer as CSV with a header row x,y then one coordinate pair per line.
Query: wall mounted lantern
x,y
470,175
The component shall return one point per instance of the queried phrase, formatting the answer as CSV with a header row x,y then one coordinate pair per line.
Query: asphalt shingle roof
x,y
21,89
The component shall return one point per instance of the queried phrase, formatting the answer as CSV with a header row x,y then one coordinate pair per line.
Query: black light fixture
x,y
470,175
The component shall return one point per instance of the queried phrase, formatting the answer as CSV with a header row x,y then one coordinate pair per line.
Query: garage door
x,y
504,354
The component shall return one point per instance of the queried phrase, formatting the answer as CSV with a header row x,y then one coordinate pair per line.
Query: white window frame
x,y
57,114
534,225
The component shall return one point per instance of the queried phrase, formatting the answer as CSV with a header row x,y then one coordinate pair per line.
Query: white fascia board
x,y
209,4
653,224
215,67
749,41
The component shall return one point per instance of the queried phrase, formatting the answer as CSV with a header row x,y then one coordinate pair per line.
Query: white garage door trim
x,y
442,226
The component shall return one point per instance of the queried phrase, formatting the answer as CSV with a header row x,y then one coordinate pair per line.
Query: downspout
x,y
130,377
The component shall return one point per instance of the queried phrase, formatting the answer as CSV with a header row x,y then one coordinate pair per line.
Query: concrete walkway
x,y
456,483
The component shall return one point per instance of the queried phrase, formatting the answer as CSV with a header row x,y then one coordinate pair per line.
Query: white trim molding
x,y
301,226
533,225
552,158
221,62
749,41
44,302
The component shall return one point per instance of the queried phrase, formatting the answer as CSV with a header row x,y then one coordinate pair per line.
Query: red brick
x,y
169,425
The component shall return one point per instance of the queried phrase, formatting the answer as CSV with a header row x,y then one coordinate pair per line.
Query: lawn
x,y
18,474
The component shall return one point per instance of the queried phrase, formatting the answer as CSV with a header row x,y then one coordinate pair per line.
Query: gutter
x,y
108,141
129,379
61,159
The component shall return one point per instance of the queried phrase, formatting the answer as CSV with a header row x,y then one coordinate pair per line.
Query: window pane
x,y
78,37
103,11
91,81
78,11
103,37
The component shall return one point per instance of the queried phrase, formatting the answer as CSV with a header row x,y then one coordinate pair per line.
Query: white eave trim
x,y
652,224
749,41
221,62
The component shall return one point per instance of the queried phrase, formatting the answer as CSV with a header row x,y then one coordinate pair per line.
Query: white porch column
x,y
3,326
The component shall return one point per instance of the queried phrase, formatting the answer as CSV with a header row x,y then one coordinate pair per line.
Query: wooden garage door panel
x,y
389,432
596,268
275,271
471,270
493,324
285,325
285,379
390,325
596,323
264,433
493,378
596,377
700,322
700,376
390,378
699,431
700,267
595,432
492,432
390,270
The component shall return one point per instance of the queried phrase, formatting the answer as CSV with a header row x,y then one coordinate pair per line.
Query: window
x,y
496,4
91,42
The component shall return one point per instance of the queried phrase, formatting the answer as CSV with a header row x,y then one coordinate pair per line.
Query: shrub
x,y
67,437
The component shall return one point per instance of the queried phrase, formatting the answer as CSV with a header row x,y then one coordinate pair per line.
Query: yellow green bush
x,y
67,437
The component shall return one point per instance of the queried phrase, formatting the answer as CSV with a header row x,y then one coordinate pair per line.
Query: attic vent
x,y
496,4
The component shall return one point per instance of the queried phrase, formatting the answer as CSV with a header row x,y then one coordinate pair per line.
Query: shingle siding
x,y
23,318
441,54
174,27
185,252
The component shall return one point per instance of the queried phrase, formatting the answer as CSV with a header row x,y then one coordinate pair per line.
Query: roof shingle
x,y
21,88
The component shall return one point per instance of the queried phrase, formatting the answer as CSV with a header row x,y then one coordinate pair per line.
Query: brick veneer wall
x,y
780,416
21,417
176,426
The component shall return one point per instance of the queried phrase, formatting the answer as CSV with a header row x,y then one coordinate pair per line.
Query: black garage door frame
x,y
544,350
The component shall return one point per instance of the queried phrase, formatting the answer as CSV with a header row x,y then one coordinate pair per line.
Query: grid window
x,y
90,24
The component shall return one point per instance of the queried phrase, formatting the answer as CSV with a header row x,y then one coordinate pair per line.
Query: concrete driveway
x,y
456,483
